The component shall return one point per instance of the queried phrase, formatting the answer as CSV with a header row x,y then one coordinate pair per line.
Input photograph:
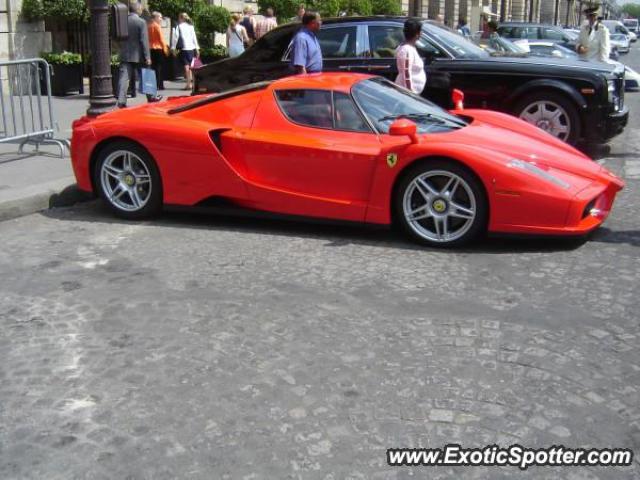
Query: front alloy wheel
x,y
441,204
128,180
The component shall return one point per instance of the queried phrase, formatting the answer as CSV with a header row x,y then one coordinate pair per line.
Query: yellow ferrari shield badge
x,y
392,159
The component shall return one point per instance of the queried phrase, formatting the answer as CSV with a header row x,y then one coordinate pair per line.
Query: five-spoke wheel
x,y
441,203
128,180
552,113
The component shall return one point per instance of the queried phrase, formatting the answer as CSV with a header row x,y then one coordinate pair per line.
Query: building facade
x,y
563,12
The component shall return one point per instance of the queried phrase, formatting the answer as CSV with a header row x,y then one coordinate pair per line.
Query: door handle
x,y
378,67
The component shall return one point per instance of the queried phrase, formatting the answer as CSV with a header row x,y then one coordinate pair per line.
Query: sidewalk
x,y
34,181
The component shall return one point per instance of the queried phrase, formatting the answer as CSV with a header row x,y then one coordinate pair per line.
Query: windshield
x,y
453,43
384,102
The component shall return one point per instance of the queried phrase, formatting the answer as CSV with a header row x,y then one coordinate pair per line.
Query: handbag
x,y
196,63
180,41
148,85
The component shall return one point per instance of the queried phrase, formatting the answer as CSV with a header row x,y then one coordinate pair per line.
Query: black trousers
x,y
157,57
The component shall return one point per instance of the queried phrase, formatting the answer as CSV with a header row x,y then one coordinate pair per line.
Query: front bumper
x,y
610,125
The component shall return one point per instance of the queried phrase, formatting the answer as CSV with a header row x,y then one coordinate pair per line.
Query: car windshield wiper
x,y
421,116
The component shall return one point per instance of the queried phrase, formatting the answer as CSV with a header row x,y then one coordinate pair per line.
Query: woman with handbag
x,y
237,37
185,41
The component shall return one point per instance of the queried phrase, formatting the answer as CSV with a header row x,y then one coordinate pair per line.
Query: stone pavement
x,y
37,180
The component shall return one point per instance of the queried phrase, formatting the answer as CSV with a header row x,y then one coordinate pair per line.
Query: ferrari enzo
x,y
348,147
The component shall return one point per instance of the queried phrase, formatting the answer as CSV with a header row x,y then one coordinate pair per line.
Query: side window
x,y
383,40
347,115
551,34
427,50
307,107
338,42
532,33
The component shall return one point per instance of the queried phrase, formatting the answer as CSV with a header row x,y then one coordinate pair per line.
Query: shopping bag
x,y
196,63
148,84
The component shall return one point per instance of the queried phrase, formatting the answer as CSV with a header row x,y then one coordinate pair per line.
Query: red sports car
x,y
348,147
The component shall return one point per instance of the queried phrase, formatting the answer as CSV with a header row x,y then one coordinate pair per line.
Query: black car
x,y
573,100
536,31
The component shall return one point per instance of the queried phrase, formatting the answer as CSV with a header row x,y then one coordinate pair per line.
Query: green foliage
x,y
284,9
356,7
115,60
631,9
70,10
64,58
326,8
209,19
386,7
32,10
173,8
216,52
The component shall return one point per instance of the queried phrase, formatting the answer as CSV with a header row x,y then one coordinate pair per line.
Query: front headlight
x,y
537,171
613,94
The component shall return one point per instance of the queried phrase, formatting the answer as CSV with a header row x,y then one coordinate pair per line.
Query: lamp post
x,y
101,99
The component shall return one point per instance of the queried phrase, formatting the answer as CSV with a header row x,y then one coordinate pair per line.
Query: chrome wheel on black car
x,y
552,113
441,203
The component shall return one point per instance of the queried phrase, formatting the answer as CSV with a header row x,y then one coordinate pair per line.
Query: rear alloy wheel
x,y
552,113
128,180
441,204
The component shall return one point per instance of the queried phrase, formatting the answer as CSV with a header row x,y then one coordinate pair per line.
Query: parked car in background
x,y
631,24
542,48
573,33
536,31
621,42
616,26
574,101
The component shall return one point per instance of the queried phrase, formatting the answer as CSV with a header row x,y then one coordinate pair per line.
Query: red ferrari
x,y
348,147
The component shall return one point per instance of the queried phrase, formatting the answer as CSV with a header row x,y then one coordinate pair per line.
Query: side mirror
x,y
457,97
404,127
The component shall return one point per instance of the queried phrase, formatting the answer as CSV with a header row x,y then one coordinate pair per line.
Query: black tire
x,y
572,114
406,189
142,163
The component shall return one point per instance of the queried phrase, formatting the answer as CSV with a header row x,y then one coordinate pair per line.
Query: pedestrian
x,y
492,28
411,74
306,55
134,53
249,24
186,43
463,27
158,46
298,17
236,37
594,42
267,24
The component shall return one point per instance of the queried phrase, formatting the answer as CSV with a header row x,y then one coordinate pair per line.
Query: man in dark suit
x,y
134,52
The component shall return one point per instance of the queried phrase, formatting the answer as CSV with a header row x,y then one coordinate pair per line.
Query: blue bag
x,y
148,84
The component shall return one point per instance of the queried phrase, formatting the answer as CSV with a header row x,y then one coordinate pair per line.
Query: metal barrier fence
x,y
26,106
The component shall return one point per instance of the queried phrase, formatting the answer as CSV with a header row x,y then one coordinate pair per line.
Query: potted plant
x,y
213,54
66,73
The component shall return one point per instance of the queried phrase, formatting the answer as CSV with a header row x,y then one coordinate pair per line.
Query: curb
x,y
20,207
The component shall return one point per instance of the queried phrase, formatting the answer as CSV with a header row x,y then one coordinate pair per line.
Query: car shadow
x,y
336,234
606,235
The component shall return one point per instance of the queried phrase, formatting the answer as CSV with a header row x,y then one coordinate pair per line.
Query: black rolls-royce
x,y
577,101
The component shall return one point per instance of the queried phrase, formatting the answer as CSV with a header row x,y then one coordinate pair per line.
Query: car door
x,y
382,41
310,152
341,45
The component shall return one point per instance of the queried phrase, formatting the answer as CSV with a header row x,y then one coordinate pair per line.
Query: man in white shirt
x,y
594,42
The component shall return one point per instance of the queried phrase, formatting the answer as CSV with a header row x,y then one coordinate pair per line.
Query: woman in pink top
x,y
411,74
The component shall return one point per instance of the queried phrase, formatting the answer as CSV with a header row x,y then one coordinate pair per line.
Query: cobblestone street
x,y
200,346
